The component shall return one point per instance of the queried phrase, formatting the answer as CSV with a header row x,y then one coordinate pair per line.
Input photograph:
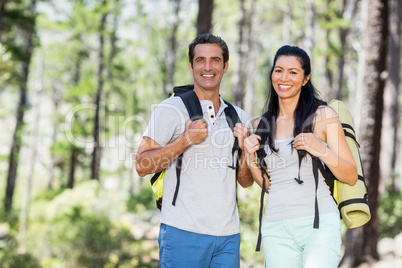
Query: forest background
x,y
79,79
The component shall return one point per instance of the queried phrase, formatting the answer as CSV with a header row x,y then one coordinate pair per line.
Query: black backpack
x,y
192,103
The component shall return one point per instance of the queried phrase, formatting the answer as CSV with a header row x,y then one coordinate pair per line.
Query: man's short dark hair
x,y
208,38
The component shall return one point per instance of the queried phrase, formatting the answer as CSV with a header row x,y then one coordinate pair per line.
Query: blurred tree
x,y
245,45
204,19
308,39
362,242
391,101
56,99
22,21
348,12
77,69
34,143
71,86
2,16
336,19
96,155
172,47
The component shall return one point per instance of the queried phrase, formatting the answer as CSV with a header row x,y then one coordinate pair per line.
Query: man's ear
x,y
226,66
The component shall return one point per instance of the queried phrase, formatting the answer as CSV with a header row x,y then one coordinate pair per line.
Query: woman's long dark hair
x,y
305,109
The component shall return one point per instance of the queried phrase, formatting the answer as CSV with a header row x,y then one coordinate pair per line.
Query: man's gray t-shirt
x,y
206,201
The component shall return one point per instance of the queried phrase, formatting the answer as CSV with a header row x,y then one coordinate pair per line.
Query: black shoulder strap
x,y
231,115
192,104
263,167
316,223
194,110
233,118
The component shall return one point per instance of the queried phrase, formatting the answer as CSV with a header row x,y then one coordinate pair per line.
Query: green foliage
x,y
76,229
48,195
390,214
10,258
84,238
142,201
249,206
11,217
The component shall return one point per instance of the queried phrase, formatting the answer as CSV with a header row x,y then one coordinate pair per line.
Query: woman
x,y
299,126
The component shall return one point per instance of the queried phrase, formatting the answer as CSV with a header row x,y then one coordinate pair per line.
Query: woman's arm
x,y
336,155
251,145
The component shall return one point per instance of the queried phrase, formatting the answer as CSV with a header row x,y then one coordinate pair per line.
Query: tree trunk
x,y
16,142
309,29
327,92
244,50
96,157
2,17
204,19
252,59
374,46
391,105
76,79
171,52
34,149
71,171
56,98
348,12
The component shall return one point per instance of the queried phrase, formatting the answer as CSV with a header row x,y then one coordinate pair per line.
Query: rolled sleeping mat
x,y
352,200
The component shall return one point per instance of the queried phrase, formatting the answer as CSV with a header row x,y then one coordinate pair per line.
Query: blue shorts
x,y
178,248
295,243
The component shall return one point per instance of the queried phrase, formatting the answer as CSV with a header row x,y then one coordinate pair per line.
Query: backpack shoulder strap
x,y
231,115
260,155
233,118
194,110
192,104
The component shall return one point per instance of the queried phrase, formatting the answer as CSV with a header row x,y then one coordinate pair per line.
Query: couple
x,y
202,228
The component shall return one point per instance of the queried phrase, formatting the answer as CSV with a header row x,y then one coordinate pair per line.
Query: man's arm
x,y
244,176
152,157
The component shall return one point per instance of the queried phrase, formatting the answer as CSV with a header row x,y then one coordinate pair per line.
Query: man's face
x,y
208,67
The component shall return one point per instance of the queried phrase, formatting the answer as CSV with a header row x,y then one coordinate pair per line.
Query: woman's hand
x,y
251,145
310,143
241,132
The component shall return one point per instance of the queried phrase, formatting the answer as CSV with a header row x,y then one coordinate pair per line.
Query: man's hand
x,y
241,132
196,131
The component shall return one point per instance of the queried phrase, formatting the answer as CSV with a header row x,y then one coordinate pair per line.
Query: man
x,y
202,228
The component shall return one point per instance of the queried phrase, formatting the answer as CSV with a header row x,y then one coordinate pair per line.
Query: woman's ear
x,y
306,79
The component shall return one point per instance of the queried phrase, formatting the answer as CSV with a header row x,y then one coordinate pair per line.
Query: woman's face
x,y
288,77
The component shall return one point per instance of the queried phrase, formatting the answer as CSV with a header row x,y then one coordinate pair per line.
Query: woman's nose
x,y
284,76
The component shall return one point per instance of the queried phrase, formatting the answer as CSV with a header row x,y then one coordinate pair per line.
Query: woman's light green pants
x,y
295,243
